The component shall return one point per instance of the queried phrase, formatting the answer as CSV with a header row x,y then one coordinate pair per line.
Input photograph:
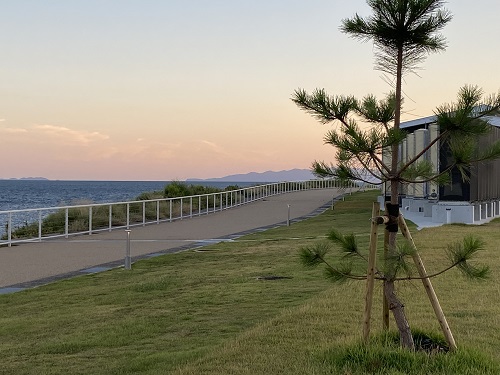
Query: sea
x,y
28,194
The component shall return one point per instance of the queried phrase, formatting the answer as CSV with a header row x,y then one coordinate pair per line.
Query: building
x,y
473,201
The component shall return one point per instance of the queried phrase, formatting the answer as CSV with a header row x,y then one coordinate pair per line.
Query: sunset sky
x,y
172,89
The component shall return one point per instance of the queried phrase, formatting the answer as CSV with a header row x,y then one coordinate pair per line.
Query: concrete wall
x,y
459,213
449,212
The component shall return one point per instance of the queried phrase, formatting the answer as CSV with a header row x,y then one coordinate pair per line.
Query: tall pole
x,y
288,217
128,263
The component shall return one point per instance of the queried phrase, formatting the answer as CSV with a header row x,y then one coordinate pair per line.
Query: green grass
x,y
208,313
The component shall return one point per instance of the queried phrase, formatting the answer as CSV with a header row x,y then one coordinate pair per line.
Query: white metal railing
x,y
53,222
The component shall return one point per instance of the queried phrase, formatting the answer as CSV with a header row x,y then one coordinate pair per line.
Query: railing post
x,y
158,211
182,209
190,206
128,215
199,205
39,225
90,220
9,229
110,217
143,213
66,224
170,209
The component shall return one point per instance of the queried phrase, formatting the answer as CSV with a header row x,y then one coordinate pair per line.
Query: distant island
x,y
26,178
269,176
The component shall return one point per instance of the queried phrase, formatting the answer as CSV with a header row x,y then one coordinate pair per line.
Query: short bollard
x,y
128,263
288,217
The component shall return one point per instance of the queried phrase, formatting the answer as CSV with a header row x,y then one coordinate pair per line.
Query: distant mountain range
x,y
269,176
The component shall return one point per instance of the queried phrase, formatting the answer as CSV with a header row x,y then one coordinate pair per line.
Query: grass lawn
x,y
209,312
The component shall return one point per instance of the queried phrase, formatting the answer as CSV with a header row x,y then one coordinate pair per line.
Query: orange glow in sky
x,y
162,90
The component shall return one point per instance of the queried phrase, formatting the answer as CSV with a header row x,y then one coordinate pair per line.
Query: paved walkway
x,y
38,263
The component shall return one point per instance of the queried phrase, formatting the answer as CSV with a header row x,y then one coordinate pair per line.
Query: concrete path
x,y
37,263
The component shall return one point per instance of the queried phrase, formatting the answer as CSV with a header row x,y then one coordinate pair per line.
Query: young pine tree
x,y
404,32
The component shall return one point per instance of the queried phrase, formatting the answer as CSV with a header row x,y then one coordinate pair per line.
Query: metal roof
x,y
492,120
418,122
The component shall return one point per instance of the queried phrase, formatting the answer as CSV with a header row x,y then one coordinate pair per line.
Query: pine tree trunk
x,y
399,316
395,304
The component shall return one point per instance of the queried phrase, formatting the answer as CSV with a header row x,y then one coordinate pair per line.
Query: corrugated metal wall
x,y
485,176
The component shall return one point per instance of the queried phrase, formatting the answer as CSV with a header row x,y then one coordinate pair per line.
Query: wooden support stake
x,y
370,278
385,303
428,286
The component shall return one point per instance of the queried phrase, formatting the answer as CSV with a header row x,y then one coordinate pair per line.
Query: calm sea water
x,y
22,194
27,194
